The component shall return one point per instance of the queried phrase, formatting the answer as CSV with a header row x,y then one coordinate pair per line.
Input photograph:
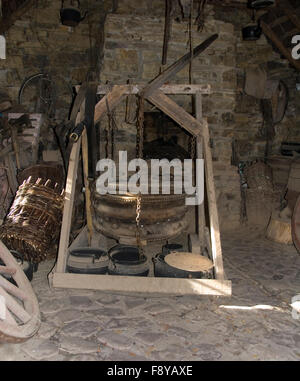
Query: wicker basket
x,y
33,223
259,176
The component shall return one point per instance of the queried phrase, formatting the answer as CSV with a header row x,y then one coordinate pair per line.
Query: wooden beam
x,y
287,53
69,200
212,205
88,204
171,108
166,89
199,150
6,23
114,97
143,285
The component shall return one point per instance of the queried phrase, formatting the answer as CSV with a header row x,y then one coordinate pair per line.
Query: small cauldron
x,y
164,270
170,247
251,32
126,260
71,16
87,260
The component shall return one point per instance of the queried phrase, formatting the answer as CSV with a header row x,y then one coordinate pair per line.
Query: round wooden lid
x,y
188,261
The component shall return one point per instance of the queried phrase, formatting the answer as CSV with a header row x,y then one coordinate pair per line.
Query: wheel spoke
x,y
14,290
9,318
7,270
15,307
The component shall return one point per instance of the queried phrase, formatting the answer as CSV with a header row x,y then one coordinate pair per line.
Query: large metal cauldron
x,y
162,216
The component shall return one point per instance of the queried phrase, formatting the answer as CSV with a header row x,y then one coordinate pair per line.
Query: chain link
x,y
138,224
193,141
140,129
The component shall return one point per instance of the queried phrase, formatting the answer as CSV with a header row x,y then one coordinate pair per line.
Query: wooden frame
x,y
199,128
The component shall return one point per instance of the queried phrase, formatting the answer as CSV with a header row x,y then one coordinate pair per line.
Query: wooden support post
x,y
88,206
212,206
69,201
199,149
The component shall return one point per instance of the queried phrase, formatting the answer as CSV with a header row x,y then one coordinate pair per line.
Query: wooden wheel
x,y
296,225
19,309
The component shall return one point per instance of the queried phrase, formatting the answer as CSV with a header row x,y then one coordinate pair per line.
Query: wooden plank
x,y
114,97
212,206
6,23
69,200
199,149
88,204
166,89
171,108
287,53
143,285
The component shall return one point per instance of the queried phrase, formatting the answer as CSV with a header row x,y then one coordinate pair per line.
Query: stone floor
x,y
256,323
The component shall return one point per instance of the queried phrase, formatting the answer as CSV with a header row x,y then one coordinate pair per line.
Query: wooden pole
x,y
88,205
199,149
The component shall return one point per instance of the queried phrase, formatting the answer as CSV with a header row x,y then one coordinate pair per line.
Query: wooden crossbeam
x,y
114,97
171,108
166,89
143,285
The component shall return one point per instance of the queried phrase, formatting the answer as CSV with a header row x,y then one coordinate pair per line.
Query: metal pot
x,y
126,260
164,270
71,16
170,247
87,260
251,32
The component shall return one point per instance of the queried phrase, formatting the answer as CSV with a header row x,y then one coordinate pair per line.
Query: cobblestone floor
x,y
254,324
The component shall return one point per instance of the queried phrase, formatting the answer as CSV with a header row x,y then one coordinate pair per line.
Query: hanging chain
x,y
140,129
138,224
193,147
110,132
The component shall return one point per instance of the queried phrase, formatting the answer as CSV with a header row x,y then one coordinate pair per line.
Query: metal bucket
x,y
126,260
164,270
87,260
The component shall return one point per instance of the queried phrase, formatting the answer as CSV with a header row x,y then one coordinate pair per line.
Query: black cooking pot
x,y
87,260
251,32
126,260
170,247
164,270
71,16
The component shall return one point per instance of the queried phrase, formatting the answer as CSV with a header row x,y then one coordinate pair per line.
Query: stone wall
x,y
38,42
